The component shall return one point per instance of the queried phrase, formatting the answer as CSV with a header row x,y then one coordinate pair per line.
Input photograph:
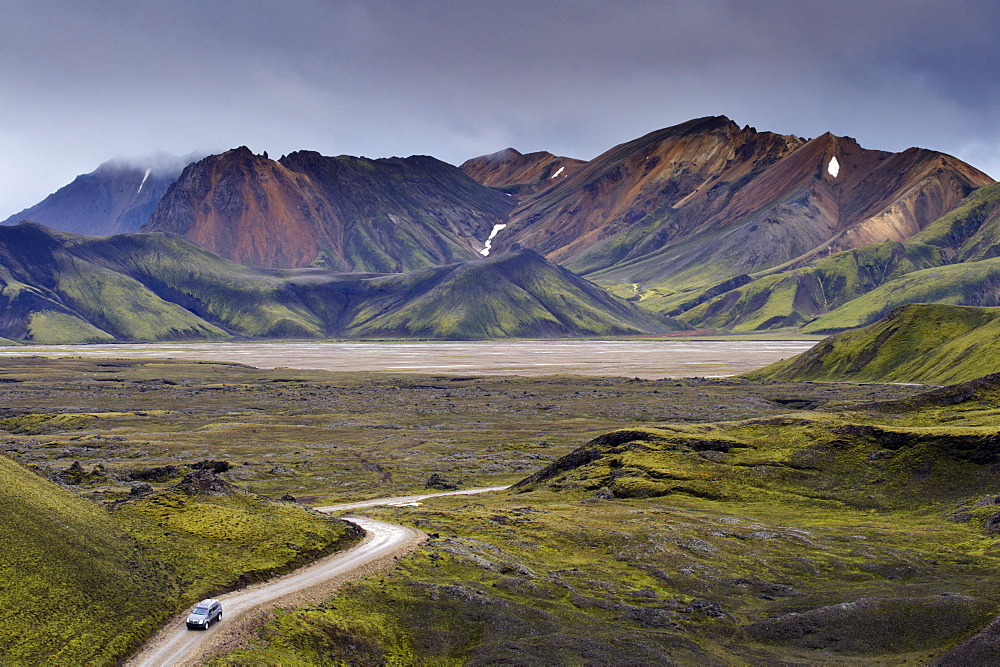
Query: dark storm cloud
x,y
84,82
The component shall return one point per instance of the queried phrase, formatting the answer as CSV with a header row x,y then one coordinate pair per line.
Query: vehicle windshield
x,y
200,611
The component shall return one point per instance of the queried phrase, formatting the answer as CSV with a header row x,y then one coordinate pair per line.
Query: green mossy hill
x,y
518,294
231,297
82,585
75,589
975,401
812,458
862,537
966,284
57,287
766,541
794,298
927,343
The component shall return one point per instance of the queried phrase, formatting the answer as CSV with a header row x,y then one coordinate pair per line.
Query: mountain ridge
x,y
674,220
774,202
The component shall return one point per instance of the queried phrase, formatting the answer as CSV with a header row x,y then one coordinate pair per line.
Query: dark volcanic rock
x,y
157,474
76,474
214,466
436,481
205,482
982,648
992,524
140,489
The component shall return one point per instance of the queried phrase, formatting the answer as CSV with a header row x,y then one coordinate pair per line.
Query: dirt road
x,y
382,546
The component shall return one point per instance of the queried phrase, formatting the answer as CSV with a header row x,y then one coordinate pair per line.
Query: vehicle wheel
x,y
208,623
220,616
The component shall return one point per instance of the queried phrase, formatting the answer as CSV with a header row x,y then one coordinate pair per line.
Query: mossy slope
x,y
85,586
75,589
971,230
966,284
928,343
251,538
859,537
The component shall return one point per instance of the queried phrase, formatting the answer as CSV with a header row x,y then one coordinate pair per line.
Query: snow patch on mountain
x,y
143,181
833,167
485,252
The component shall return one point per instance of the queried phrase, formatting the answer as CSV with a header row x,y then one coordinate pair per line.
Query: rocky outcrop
x,y
874,625
438,481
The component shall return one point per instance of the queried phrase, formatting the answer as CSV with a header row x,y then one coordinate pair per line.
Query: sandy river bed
x,y
645,359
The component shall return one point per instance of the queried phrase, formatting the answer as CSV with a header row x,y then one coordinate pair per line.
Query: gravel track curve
x,y
245,609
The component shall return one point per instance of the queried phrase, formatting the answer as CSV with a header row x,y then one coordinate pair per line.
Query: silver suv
x,y
207,612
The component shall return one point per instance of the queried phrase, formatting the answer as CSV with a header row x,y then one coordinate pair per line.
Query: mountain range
x,y
706,223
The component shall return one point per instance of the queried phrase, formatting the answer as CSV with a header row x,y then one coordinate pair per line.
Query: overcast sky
x,y
84,82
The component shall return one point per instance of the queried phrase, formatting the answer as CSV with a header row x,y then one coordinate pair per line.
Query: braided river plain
x,y
641,359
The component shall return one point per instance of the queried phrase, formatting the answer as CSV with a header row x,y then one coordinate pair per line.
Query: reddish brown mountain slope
x,y
706,200
520,174
345,213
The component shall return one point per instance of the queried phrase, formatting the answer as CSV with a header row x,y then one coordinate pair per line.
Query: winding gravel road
x,y
405,500
384,543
